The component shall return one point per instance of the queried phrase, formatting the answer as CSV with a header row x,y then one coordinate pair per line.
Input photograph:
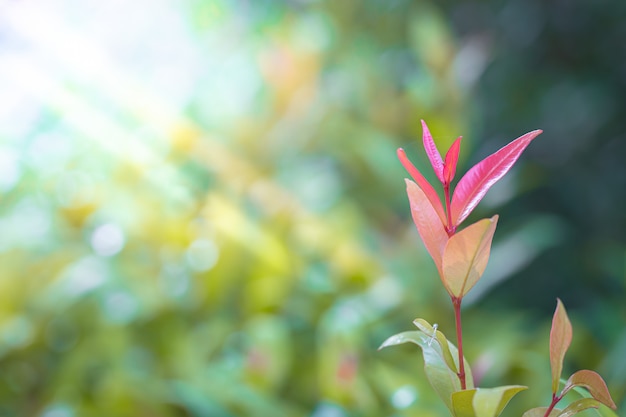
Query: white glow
x,y
85,275
9,169
108,239
404,397
174,280
58,410
49,152
120,307
202,255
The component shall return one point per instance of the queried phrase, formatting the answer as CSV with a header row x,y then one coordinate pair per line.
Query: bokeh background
x,y
202,214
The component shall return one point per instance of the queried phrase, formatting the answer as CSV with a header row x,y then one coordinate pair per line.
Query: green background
x,y
202,213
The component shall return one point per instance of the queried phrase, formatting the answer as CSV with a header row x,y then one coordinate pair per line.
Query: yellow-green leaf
x,y
489,402
541,411
462,403
483,402
594,383
465,256
578,406
560,339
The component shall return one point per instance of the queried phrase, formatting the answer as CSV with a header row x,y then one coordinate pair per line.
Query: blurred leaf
x,y
196,401
578,406
466,255
560,339
594,383
541,411
606,412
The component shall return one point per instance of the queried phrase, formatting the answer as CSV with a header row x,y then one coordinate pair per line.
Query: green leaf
x,y
579,405
594,383
606,412
541,411
560,339
424,326
465,256
444,380
489,402
449,351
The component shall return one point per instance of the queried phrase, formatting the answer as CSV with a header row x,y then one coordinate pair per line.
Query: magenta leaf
x,y
477,181
452,157
432,152
428,189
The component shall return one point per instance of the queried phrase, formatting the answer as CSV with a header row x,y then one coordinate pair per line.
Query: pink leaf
x,y
477,181
560,339
428,225
428,189
452,156
594,383
432,152
466,255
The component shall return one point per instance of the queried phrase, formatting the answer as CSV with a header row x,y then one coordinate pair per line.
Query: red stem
x,y
459,340
450,228
555,400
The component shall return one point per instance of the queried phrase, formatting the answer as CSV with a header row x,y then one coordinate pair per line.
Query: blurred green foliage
x,y
201,213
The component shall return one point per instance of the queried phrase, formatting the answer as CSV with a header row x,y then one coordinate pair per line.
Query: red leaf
x,y
429,227
428,189
432,152
452,156
477,181
560,339
594,383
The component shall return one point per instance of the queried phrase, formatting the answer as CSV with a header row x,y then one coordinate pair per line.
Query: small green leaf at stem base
x,y
560,339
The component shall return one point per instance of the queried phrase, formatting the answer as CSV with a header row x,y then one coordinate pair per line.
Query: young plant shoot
x,y
461,256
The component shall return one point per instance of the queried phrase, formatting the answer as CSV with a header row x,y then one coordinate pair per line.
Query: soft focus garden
x,y
202,212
